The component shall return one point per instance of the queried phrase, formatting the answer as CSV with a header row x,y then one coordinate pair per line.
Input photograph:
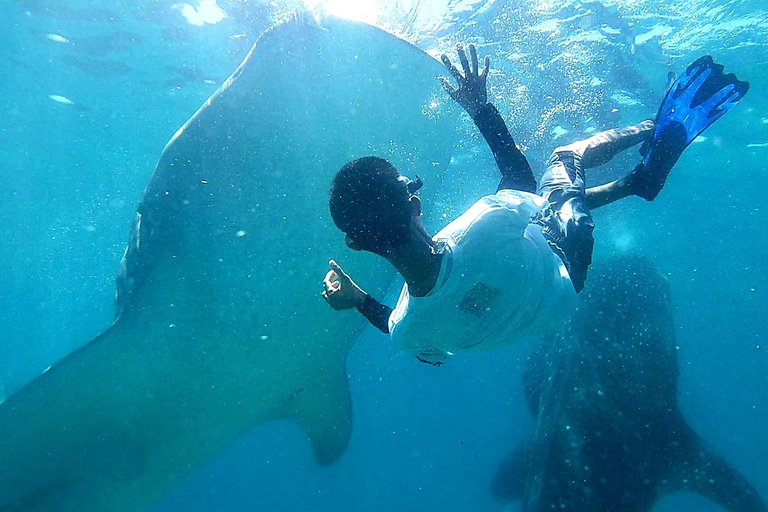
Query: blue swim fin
x,y
698,98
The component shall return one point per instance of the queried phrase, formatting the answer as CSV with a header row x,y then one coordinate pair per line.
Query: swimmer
x,y
512,264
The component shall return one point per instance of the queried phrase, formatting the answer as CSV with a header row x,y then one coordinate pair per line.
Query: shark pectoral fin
x,y
325,412
509,482
711,476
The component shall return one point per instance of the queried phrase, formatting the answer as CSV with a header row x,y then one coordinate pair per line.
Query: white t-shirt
x,y
499,282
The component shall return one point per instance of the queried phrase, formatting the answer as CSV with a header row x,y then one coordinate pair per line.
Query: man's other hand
x,y
471,93
340,291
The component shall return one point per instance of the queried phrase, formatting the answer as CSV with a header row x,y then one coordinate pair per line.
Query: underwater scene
x,y
167,227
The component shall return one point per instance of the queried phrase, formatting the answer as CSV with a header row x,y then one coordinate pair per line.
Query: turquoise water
x,y
93,91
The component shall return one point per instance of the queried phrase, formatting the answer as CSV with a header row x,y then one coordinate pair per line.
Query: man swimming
x,y
511,265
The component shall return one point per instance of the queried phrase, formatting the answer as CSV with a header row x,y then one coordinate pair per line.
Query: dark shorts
x,y
564,173
566,222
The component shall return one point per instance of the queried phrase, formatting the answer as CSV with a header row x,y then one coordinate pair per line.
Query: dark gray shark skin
x,y
609,435
220,325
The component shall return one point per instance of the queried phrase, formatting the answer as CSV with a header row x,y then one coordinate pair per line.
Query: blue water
x,y
92,91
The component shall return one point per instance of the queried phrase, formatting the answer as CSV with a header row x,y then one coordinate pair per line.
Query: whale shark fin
x,y
509,482
704,472
325,412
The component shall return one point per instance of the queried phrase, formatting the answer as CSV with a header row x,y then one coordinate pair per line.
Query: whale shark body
x,y
220,322
609,434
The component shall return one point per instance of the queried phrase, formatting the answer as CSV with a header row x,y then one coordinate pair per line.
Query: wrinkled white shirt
x,y
499,282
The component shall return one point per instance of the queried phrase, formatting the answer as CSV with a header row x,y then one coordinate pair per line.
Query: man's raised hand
x,y
471,92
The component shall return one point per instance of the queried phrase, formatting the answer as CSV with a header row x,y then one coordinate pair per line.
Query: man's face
x,y
362,246
351,243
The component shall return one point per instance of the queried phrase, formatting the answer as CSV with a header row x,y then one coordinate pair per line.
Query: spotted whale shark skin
x,y
220,322
609,435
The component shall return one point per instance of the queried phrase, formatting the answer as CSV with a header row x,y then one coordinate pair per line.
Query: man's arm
x,y
341,292
472,95
376,313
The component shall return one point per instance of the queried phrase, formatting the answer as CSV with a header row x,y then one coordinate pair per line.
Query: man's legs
x,y
604,147
567,223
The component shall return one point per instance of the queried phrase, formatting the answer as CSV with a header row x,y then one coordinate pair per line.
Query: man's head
x,y
370,203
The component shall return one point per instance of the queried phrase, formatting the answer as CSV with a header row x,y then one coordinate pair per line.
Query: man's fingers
x,y
486,67
473,56
335,266
447,86
463,59
330,276
451,68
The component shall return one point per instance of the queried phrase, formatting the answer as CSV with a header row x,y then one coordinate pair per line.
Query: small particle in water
x,y
61,99
90,228
204,182
172,326
210,82
240,233
264,337
58,39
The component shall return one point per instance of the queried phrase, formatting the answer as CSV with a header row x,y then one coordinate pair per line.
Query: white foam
x,y
206,12
61,99
558,131
58,39
624,242
656,31
623,98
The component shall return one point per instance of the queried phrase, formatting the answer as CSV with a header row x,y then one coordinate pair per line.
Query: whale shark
x,y
609,435
220,324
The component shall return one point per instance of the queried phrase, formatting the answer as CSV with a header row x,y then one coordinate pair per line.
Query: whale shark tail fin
x,y
325,412
509,482
703,472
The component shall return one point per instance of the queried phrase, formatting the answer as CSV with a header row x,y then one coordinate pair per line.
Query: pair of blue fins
x,y
695,100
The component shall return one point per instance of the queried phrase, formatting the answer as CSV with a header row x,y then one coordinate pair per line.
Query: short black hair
x,y
369,201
